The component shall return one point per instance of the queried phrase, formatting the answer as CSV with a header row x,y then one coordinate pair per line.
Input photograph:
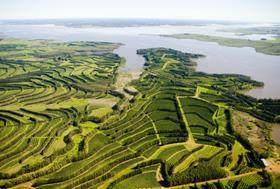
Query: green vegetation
x,y
271,47
266,30
77,130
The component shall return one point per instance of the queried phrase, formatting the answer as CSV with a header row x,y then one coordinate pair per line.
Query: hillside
x,y
65,123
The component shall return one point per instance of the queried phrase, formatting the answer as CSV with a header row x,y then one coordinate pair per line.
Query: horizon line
x,y
124,18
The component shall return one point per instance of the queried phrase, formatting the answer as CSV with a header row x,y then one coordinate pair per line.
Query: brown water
x,y
219,59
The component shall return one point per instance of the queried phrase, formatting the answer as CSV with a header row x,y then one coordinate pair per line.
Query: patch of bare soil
x,y
257,131
125,77
276,133
104,102
273,165
27,185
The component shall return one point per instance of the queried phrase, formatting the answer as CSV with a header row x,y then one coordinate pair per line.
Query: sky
x,y
231,10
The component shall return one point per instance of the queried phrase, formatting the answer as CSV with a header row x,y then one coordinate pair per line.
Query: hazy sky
x,y
238,10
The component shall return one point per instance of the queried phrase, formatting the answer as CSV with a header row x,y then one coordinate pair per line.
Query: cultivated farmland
x,y
65,123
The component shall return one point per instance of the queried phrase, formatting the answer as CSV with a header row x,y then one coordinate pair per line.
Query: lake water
x,y
219,59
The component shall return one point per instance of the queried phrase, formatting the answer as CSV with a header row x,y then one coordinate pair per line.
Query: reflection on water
x,y
219,59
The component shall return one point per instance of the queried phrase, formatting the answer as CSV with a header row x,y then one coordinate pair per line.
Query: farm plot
x,y
78,131
199,114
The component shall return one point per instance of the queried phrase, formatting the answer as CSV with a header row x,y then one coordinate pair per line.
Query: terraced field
x,y
65,124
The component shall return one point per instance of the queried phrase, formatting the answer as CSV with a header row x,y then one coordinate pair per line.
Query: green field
x,y
65,123
266,30
271,47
